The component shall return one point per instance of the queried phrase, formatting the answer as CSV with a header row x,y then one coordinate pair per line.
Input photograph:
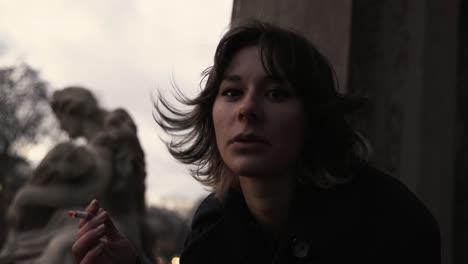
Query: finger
x,y
104,240
112,233
88,241
99,219
93,209
92,255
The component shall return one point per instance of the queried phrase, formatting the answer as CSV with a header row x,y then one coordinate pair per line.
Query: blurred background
x,y
408,57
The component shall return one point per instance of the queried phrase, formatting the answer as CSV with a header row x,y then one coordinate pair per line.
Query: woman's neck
x,y
93,126
268,199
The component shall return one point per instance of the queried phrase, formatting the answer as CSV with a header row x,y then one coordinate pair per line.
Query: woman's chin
x,y
252,170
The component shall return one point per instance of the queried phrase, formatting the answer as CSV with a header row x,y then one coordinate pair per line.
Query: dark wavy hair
x,y
332,149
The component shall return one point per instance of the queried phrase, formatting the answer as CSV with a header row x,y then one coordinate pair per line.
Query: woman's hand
x,y
98,241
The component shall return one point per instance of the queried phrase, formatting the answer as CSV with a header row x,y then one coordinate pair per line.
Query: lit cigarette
x,y
80,214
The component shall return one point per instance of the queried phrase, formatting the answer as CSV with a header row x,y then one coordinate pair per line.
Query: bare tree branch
x,y
23,106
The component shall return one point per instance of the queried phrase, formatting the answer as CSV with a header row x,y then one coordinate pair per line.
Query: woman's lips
x,y
248,142
248,139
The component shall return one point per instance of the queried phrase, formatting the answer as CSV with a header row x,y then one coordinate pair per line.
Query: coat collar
x,y
322,219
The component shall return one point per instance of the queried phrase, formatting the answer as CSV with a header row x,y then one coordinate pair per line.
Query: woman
x,y
289,176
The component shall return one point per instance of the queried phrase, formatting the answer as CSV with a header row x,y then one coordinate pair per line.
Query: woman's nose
x,y
249,109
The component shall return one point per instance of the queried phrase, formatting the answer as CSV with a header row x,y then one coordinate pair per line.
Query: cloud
x,y
123,51
3,48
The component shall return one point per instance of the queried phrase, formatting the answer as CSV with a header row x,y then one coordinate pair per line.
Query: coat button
x,y
300,249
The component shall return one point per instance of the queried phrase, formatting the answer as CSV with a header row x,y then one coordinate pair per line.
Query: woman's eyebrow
x,y
236,78
231,78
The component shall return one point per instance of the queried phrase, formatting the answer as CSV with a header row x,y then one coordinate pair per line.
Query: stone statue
x,y
111,137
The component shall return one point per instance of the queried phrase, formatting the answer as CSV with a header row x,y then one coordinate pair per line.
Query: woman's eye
x,y
277,95
231,92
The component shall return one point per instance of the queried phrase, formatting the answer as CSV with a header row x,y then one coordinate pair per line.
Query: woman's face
x,y
259,122
70,124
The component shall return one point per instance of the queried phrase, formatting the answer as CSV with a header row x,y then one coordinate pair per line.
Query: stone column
x,y
326,23
438,119
403,57
460,223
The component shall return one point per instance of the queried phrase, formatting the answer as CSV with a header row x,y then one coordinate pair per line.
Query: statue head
x,y
76,108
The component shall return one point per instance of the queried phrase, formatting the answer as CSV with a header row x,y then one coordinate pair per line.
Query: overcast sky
x,y
123,51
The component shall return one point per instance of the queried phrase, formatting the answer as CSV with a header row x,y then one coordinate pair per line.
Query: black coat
x,y
373,219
